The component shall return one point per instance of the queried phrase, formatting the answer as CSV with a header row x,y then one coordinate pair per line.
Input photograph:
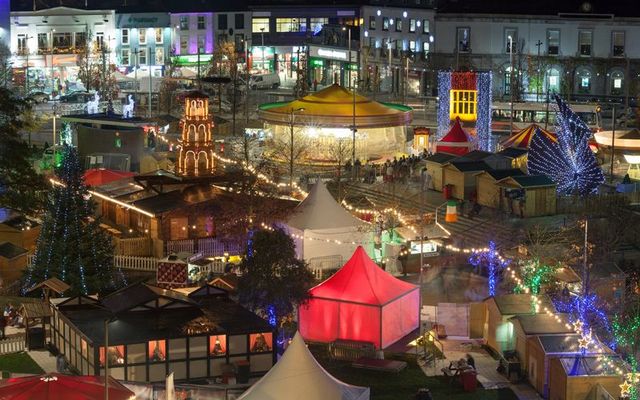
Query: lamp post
x,y
55,108
246,67
262,46
292,119
539,85
51,54
353,126
511,84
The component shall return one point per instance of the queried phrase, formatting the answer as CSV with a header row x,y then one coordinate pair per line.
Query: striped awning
x,y
522,139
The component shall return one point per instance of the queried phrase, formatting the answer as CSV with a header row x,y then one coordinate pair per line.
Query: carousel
x,y
322,125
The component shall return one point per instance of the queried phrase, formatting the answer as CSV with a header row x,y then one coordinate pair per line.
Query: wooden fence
x,y
136,263
209,247
139,246
13,344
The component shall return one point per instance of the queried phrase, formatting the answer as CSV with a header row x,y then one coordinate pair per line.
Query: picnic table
x,y
455,369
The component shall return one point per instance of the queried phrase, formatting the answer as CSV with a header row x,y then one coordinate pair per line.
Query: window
x,y
99,39
259,25
159,56
584,43
260,342
222,21
22,43
201,44
385,45
142,36
184,44
184,22
616,83
554,80
201,23
425,26
125,56
463,104
157,350
617,44
115,356
584,80
142,57
316,24
124,37
291,25
158,35
218,345
43,41
412,25
372,22
385,23
464,42
80,40
553,42
507,80
62,39
239,23
511,45
398,24
372,42
425,47
412,45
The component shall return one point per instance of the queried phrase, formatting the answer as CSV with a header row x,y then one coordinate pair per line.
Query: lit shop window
x,y
463,104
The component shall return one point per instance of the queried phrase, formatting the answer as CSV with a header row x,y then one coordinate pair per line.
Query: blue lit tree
x,y
492,261
71,246
569,161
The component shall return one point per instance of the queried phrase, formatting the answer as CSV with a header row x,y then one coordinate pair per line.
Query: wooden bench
x,y
379,365
351,350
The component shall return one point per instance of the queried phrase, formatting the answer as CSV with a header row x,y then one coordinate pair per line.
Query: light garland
x,y
444,89
483,116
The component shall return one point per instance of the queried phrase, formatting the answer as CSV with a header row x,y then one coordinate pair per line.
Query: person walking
x,y
3,326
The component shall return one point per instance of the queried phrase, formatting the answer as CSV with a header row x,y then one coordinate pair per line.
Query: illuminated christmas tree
x,y
568,161
490,259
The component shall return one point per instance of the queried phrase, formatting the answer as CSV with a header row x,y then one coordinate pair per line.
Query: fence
x,y
139,246
209,247
180,246
13,344
136,263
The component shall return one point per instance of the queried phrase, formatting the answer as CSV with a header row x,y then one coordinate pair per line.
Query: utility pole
x,y
613,139
511,73
539,85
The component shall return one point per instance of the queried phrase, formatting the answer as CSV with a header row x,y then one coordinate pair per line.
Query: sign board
x,y
146,20
330,53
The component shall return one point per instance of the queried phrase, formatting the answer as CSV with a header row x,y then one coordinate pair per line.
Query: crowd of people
x,y
11,317
400,170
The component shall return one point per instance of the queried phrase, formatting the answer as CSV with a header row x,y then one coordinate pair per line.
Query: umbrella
x,y
61,387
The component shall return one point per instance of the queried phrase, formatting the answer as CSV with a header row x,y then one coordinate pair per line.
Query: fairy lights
x,y
483,119
494,263
444,89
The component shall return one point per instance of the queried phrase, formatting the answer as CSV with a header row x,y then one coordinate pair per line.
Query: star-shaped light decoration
x,y
625,389
583,343
578,325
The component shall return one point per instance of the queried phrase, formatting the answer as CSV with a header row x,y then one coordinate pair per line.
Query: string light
x,y
483,118
444,89
494,263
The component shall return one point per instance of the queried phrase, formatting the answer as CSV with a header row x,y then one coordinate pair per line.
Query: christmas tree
x,y
71,246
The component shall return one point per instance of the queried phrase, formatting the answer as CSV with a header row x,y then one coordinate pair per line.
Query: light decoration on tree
x,y
491,259
533,275
66,134
483,121
569,162
444,89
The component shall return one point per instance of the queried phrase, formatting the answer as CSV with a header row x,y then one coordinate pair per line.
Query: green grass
x,y
20,363
403,386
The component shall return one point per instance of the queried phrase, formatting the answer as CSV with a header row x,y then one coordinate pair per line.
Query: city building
x,y
47,44
5,24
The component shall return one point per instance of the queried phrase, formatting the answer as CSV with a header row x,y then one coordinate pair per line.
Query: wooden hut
x,y
576,377
530,195
493,160
35,315
52,286
541,349
516,156
13,261
489,193
434,164
461,175
527,326
499,330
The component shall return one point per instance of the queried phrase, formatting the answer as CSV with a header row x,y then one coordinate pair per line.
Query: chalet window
x,y
217,345
115,356
157,350
260,342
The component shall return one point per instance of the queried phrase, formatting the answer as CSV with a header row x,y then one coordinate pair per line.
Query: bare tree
x,y
339,152
291,147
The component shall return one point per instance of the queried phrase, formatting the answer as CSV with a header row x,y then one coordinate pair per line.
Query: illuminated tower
x,y
196,153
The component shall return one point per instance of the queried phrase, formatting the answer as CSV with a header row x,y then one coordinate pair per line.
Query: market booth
x,y
361,302
528,326
455,142
489,193
434,164
297,375
577,377
461,176
529,196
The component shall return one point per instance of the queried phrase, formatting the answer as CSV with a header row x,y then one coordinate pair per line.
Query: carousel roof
x,y
333,107
522,139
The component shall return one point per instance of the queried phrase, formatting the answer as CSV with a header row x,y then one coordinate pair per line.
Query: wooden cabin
x,y
493,160
489,193
434,164
19,230
529,195
461,175
527,326
499,332
541,349
13,262
577,377
516,156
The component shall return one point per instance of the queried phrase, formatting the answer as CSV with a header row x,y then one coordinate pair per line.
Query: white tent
x,y
297,375
318,223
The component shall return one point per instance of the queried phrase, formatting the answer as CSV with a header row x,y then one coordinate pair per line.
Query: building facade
x,y
5,24
46,45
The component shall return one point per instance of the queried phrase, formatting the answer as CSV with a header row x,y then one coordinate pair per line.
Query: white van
x,y
264,81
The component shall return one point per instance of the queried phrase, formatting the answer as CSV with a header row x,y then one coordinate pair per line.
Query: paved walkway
x,y
44,359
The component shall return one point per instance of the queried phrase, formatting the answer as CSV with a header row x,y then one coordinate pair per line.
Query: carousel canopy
x,y
333,107
522,139
456,141
62,387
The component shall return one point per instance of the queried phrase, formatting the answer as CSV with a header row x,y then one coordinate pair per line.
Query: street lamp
x,y
55,108
353,126
292,118
511,84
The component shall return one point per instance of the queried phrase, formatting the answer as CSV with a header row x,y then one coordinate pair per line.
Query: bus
x,y
542,114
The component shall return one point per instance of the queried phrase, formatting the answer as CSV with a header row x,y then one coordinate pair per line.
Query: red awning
x,y
101,176
522,139
456,141
62,387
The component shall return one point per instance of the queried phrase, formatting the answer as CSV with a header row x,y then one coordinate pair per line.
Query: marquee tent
x,y
360,302
62,387
297,375
455,142
318,219
522,139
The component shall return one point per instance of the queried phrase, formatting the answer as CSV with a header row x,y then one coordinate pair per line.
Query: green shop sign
x,y
191,59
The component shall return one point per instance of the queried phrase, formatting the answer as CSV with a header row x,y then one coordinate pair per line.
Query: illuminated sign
x,y
191,59
335,54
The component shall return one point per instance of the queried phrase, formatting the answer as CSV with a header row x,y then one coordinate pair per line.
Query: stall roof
x,y
476,155
528,181
587,366
9,250
538,324
141,295
513,304
54,284
499,174
469,166
513,152
440,158
558,344
36,310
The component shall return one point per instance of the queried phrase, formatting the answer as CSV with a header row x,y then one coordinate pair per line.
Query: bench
x,y
448,372
351,350
379,365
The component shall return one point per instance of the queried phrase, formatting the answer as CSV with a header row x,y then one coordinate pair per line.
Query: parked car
x,y
77,97
264,81
38,97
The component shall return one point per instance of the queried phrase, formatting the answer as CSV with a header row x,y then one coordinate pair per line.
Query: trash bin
x,y
242,371
469,380
447,190
36,338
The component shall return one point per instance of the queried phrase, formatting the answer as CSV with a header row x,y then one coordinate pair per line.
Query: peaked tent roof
x,y
360,280
522,139
297,375
319,210
456,141
100,176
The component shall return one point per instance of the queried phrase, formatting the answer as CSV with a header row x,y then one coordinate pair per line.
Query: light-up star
x,y
625,389
583,343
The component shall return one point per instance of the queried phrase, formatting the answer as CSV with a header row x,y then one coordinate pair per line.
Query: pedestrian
x,y
315,85
3,326
423,179
390,171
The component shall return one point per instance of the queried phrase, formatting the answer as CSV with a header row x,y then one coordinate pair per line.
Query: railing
x,y
209,247
179,246
136,263
13,344
139,246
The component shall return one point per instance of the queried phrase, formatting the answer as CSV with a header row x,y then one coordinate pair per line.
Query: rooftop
x,y
513,304
499,174
538,324
470,166
10,250
554,344
440,158
513,152
587,366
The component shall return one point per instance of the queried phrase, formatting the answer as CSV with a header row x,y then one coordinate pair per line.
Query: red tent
x,y
361,302
100,176
455,142
61,387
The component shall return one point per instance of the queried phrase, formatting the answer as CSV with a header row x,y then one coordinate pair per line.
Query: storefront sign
x,y
191,59
331,54
146,20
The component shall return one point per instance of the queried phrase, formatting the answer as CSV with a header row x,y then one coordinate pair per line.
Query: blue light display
x,y
444,89
483,121
492,261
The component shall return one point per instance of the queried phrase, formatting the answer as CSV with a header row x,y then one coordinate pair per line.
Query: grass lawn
x,y
19,363
403,386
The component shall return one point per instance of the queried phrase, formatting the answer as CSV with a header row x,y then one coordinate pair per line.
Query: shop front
x,y
262,60
57,74
328,65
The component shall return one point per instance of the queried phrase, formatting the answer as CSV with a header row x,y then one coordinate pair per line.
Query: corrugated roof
x,y
10,250
561,343
36,310
528,181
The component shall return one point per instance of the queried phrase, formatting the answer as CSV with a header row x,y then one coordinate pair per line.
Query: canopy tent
x,y
62,387
456,141
318,222
361,302
100,176
297,375
522,139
